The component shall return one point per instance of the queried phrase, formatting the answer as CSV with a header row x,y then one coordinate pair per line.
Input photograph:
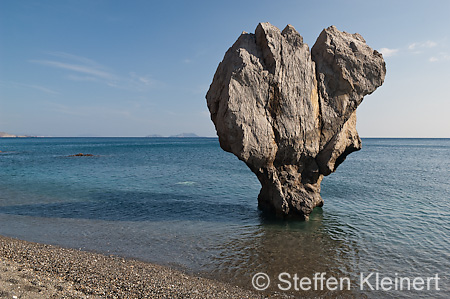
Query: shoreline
x,y
34,270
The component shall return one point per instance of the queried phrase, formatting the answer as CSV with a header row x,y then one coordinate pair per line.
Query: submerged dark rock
x,y
82,155
290,114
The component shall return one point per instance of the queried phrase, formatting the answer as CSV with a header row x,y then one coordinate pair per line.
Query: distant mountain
x,y
154,135
182,135
6,135
3,134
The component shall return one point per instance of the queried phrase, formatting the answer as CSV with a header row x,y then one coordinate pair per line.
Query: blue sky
x,y
134,68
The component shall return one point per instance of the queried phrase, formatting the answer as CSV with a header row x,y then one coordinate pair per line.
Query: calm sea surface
x,y
186,203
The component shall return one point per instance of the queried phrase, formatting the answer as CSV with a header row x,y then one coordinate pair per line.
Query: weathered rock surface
x,y
290,114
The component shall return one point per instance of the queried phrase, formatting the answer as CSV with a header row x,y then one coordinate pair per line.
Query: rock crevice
x,y
290,113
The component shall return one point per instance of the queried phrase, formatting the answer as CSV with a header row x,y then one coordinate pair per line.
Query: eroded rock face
x,y
290,114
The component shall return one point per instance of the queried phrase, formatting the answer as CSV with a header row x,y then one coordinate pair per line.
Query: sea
x,y
383,232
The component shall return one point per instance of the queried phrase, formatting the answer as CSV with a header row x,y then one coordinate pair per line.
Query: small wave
x,y
186,183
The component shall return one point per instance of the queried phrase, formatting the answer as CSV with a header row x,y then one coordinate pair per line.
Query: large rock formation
x,y
290,114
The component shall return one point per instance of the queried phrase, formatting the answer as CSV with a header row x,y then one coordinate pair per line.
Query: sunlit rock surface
x,y
290,113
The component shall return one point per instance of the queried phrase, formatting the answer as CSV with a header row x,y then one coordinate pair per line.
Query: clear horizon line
x,y
198,136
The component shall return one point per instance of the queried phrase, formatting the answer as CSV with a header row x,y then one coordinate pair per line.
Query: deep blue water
x,y
186,203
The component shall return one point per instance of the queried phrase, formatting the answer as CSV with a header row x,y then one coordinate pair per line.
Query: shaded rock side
x,y
290,114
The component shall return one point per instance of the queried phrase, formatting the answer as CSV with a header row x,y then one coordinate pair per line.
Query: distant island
x,y
6,135
154,135
182,135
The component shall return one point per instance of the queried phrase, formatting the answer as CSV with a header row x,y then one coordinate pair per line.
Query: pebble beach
x,y
32,270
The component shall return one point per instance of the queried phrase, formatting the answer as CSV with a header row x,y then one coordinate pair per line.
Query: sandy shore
x,y
31,270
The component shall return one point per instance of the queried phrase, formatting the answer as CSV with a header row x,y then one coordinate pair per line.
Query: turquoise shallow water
x,y
184,202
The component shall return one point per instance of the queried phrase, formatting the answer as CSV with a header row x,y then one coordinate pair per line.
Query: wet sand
x,y
32,270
